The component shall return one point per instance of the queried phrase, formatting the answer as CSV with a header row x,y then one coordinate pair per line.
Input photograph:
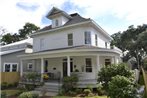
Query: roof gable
x,y
55,11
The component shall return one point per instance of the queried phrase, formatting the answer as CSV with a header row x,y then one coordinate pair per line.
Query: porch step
x,y
50,87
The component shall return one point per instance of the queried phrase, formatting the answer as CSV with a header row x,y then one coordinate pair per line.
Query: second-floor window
x,y
70,39
87,37
96,41
56,22
106,45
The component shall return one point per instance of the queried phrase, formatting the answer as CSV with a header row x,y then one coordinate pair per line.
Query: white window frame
x,y
56,22
10,67
87,37
28,68
88,66
70,39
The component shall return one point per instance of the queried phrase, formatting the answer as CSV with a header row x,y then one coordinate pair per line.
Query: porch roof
x,y
73,49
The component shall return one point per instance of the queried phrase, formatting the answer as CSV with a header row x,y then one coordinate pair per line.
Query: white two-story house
x,y
71,44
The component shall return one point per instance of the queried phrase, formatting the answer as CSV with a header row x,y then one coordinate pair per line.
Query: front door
x,y
65,67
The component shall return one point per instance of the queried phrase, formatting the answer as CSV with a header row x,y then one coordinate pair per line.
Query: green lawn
x,y
11,92
80,97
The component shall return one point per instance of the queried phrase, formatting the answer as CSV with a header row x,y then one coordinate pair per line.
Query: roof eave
x,y
63,27
101,29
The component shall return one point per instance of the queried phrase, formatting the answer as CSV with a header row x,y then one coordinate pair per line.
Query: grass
x,y
11,92
79,97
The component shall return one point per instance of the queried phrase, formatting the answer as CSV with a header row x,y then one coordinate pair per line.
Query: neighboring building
x,y
9,60
71,43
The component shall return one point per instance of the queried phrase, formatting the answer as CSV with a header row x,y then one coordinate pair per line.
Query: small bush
x,y
122,87
69,83
3,95
28,95
87,92
29,87
100,90
4,85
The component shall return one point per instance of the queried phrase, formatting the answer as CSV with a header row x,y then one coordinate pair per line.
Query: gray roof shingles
x,y
76,18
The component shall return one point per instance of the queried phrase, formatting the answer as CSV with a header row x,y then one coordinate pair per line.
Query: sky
x,y
111,15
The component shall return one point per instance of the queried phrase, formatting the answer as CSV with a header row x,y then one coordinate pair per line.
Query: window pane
x,y
30,66
56,22
88,65
7,67
70,39
87,37
95,39
14,67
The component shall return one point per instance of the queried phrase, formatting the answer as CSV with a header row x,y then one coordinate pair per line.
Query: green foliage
x,y
100,90
145,64
122,87
3,95
134,40
28,95
30,87
87,92
32,76
69,83
27,29
4,85
106,73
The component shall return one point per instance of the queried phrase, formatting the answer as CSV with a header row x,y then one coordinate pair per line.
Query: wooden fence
x,y
10,77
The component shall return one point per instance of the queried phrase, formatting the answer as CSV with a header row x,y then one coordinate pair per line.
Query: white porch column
x,y
42,69
68,65
97,63
21,68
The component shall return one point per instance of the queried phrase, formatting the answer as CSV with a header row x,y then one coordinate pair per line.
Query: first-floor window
x,y
88,65
10,67
107,62
7,68
30,66
14,67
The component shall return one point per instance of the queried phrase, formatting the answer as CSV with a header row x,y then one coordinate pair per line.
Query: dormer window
x,y
56,23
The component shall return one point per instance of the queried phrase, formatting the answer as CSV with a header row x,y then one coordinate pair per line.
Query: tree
x,y
133,41
27,29
122,87
106,73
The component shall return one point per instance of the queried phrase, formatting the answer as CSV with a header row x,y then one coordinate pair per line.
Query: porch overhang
x,y
76,51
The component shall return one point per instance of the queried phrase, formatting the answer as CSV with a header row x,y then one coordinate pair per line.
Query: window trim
x,y
88,66
87,37
28,66
10,67
56,22
68,39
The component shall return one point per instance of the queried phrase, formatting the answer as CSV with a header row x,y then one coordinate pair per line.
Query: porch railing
x,y
52,76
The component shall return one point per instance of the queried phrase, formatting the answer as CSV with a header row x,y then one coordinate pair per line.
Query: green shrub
x,y
29,87
122,87
87,92
3,95
100,90
69,83
4,85
106,73
28,95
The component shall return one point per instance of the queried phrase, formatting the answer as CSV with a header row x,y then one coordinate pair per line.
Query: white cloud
x,y
131,11
13,18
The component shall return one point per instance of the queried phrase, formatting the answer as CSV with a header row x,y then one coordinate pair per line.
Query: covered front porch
x,y
56,66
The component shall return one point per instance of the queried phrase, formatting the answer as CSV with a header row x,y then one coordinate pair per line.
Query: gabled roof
x,y
55,11
76,18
